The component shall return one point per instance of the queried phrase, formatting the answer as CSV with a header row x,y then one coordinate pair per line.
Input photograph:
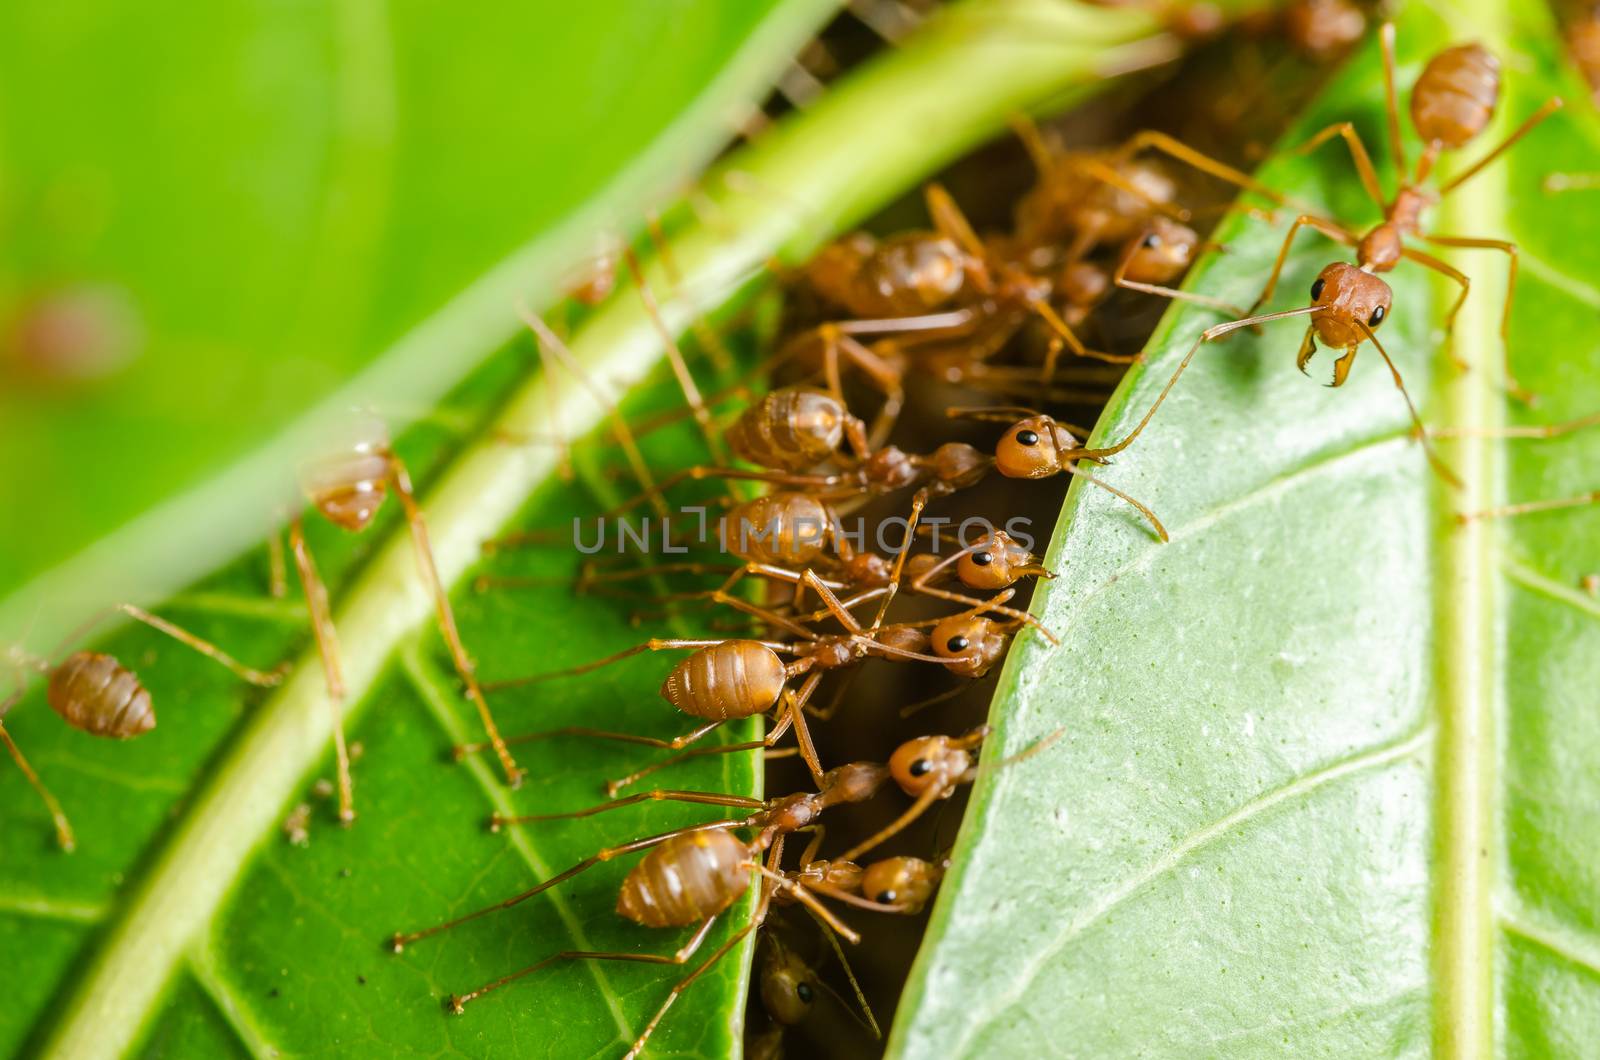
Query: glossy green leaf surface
x,y
1331,759
276,195
186,924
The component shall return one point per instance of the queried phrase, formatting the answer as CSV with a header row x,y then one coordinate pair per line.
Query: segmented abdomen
x,y
784,529
792,429
734,679
1455,96
685,880
95,693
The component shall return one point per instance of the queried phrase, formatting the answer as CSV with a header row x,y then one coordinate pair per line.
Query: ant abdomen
x,y
96,694
793,429
1455,96
909,274
786,529
734,679
686,879
349,484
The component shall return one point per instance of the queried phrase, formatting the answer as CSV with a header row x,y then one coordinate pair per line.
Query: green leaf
x,y
1329,770
283,194
185,924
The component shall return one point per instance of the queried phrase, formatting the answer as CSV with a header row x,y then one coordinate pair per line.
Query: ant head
x,y
1033,448
349,483
959,465
1160,253
853,782
996,562
868,570
903,881
929,762
788,985
1346,294
930,269
971,643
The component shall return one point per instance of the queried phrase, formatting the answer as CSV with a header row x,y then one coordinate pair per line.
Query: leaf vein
x,y
436,696
1373,758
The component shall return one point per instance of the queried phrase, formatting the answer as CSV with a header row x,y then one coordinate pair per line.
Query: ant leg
x,y
680,368
721,951
1120,279
1155,524
259,678
1006,414
1550,107
1531,507
277,567
1211,334
466,668
701,798
401,939
1542,430
918,502
793,709
1428,261
950,222
803,895
589,579
460,751
1510,250
932,794
884,376
1327,228
1358,154
1150,139
704,333
551,346
934,700
1061,331
1009,612
1433,457
1391,102
458,1002
64,836
327,638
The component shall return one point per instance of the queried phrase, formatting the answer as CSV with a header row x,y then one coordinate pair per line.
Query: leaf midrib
x,y
1469,652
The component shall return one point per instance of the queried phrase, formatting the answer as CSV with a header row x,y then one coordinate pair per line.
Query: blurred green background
x,y
212,216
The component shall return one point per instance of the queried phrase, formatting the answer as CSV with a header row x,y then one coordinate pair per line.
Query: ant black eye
x,y
886,897
804,992
1027,438
920,767
1376,318
1152,241
982,559
956,644
1316,288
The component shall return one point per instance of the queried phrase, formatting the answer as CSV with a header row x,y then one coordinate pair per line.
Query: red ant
x,y
348,486
1452,102
96,694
